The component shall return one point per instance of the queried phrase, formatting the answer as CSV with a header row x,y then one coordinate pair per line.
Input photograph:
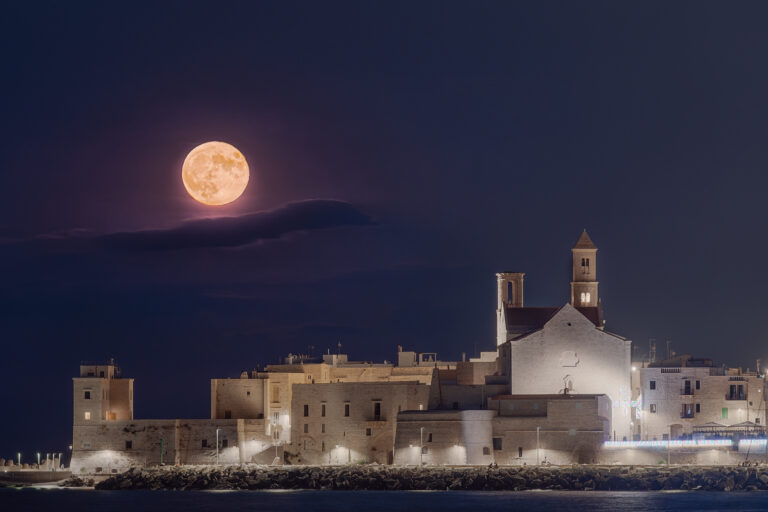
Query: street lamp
x,y
19,454
217,446
38,460
421,446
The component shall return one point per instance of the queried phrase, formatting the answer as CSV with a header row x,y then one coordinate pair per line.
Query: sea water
x,y
53,500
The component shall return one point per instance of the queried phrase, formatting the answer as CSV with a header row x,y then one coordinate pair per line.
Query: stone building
x,y
566,349
513,430
686,397
558,388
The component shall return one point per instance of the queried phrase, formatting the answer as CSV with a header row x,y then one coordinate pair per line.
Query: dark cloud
x,y
227,231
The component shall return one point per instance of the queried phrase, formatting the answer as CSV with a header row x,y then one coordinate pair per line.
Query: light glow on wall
x,y
753,442
687,443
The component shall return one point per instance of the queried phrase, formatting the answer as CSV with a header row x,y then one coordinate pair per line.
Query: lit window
x,y
87,415
586,297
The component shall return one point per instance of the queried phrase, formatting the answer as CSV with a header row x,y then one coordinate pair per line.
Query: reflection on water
x,y
375,501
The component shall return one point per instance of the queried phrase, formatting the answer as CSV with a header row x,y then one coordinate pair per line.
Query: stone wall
x,y
112,447
361,436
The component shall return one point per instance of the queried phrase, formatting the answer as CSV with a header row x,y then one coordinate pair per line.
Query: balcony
x,y
735,396
686,391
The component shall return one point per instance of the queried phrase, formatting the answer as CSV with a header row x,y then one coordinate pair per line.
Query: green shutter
x,y
725,413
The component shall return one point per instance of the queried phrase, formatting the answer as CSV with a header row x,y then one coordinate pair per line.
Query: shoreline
x,y
395,478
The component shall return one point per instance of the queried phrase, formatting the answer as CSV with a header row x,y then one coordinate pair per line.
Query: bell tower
x,y
584,278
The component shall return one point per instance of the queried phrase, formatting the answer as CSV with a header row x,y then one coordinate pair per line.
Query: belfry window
x,y
586,297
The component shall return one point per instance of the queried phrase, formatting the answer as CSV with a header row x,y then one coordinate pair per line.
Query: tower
x,y
584,280
510,286
510,295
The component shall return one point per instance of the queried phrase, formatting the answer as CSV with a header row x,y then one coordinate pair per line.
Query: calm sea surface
x,y
373,501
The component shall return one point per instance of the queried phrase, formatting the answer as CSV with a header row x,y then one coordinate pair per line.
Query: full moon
x,y
215,173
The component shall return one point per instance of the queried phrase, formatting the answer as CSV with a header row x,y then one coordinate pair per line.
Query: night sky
x,y
401,153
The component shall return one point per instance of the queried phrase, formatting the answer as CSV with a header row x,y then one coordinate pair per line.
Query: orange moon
x,y
215,173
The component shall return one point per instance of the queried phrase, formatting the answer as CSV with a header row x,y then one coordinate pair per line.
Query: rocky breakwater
x,y
578,478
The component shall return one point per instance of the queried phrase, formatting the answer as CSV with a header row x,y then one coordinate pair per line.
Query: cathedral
x,y
565,349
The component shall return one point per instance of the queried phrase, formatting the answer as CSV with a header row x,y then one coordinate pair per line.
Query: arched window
x,y
586,297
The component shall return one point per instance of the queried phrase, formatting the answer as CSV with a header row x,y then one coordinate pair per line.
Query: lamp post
x,y
537,446
217,446
421,446
669,441
38,460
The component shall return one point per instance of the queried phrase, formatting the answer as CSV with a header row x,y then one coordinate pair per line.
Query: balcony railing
x,y
686,391
735,396
686,415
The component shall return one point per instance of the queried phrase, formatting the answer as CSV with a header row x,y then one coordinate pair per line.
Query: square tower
x,y
584,278
100,395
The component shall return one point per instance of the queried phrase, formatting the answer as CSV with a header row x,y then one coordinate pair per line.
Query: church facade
x,y
566,349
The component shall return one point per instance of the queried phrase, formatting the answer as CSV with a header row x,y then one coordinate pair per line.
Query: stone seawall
x,y
581,478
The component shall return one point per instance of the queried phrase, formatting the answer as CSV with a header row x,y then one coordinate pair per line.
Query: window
x,y
724,413
227,415
520,451
322,428
87,415
101,374
224,443
322,410
653,408
247,393
757,421
99,470
698,384
128,445
425,450
497,444
421,407
429,437
275,418
305,444
86,445
306,428
368,432
486,450
652,384
346,410
306,410
698,407
377,411
87,395
204,443
322,446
